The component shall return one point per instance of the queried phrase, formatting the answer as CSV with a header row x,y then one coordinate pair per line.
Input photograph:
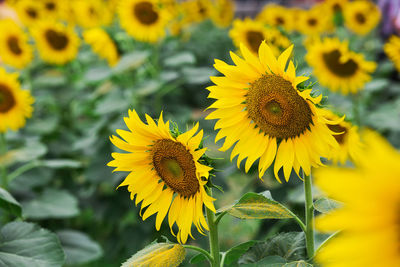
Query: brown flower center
x,y
31,12
175,166
340,138
337,7
13,44
7,100
276,107
360,17
312,22
332,62
57,40
254,39
50,6
279,21
145,13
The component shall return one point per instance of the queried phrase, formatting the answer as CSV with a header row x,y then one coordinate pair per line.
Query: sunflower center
x,y
312,22
279,21
31,13
50,6
254,38
7,100
337,8
360,17
333,63
13,44
276,107
57,40
338,129
145,12
176,167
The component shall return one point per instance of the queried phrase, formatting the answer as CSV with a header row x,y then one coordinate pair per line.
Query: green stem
x,y
22,169
202,251
299,221
219,217
309,215
3,151
213,235
356,108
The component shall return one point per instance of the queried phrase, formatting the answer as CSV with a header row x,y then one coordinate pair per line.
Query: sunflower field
x,y
199,133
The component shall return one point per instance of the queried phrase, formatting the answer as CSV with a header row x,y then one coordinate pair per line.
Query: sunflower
x,y
276,15
336,6
15,103
312,23
392,50
14,48
165,173
222,13
369,220
29,12
92,13
57,44
102,44
251,33
338,68
361,16
264,116
196,10
348,138
55,9
143,19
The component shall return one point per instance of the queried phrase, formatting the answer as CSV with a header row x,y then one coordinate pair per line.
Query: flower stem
x,y
202,251
3,151
213,235
309,215
356,108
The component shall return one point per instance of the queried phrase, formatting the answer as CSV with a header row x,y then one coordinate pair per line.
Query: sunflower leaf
x,y
325,205
8,203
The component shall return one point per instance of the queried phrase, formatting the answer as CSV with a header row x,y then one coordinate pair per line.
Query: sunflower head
x,y
392,50
92,13
263,114
361,16
277,16
29,12
223,12
165,173
102,44
312,23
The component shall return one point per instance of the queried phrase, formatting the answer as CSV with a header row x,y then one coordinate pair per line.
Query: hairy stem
x,y
309,216
213,235
3,151
202,251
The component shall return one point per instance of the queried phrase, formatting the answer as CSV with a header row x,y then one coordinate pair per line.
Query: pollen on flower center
x,y
13,44
276,108
340,138
332,62
57,40
254,38
144,11
176,167
7,100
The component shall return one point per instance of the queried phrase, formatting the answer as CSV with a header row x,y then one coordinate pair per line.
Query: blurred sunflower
x,y
392,50
14,48
264,116
102,44
251,33
196,10
222,13
55,9
276,15
57,44
348,138
312,23
29,12
143,19
338,68
369,219
336,5
165,173
361,16
91,13
15,103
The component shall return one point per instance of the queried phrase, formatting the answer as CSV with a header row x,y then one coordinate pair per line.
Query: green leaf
x,y
198,258
78,247
270,261
51,203
8,203
290,246
257,206
97,74
130,61
234,253
27,245
183,58
31,150
297,264
198,75
60,163
326,205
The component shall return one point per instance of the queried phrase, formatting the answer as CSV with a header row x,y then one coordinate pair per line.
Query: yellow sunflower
x,y
392,50
102,44
361,16
336,5
369,219
15,103
251,33
29,12
55,9
92,13
143,20
276,15
338,68
264,116
222,13
348,138
14,48
196,10
57,44
165,173
312,23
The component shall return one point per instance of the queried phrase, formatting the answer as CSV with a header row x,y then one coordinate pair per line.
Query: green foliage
x,y
325,205
8,203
